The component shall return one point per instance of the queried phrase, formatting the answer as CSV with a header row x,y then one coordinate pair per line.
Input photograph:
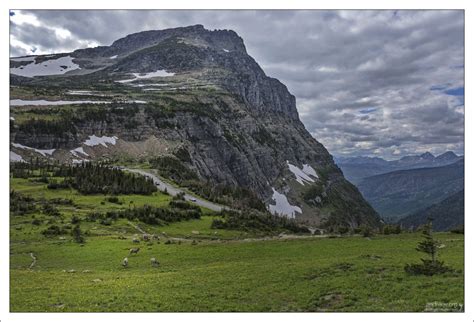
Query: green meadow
x,y
204,269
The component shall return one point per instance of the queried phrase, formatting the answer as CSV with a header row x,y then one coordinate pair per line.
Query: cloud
x,y
367,82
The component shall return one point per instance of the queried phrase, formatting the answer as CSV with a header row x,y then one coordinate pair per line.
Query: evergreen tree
x,y
430,247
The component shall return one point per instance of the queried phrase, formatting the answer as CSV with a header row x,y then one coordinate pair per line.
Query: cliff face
x,y
211,99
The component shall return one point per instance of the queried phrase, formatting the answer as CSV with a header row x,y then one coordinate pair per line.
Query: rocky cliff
x,y
196,95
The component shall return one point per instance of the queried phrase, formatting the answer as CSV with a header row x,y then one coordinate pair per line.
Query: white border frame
x,y
5,5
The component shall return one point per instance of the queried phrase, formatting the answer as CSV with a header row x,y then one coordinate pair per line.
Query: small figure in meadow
x,y
134,250
154,262
125,262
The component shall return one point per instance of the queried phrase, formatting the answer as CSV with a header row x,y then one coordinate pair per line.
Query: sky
x,y
367,83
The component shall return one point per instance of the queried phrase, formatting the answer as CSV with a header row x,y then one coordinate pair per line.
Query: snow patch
x,y
15,157
103,140
158,73
80,150
48,67
149,85
282,206
19,59
302,175
42,152
19,102
309,170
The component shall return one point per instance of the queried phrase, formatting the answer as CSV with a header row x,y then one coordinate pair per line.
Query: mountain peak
x,y
427,155
227,40
450,155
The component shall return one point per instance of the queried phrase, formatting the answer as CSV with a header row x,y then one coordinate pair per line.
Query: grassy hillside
x,y
204,269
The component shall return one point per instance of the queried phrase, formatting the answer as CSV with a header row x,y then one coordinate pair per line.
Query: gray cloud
x,y
338,64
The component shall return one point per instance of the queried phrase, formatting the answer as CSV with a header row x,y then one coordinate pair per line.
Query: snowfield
x,y
15,157
282,207
103,140
303,175
42,152
158,73
19,102
80,150
48,67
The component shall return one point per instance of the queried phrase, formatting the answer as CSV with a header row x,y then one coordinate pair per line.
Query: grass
x,y
220,272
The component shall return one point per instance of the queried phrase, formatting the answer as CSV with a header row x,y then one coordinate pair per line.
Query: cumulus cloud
x,y
385,83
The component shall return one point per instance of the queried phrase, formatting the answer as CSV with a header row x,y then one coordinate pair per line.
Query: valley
x,y
409,186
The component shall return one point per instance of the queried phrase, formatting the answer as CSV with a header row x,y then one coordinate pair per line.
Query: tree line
x,y
87,178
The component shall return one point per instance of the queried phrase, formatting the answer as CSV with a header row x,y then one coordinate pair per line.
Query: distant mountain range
x,y
357,168
399,193
447,214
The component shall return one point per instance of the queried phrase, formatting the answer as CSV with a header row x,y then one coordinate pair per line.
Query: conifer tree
x,y
429,246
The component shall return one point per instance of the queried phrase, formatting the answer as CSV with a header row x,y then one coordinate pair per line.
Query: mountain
x,y
399,193
357,168
446,215
188,100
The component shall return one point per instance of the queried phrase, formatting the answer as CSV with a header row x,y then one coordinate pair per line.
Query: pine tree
x,y
430,247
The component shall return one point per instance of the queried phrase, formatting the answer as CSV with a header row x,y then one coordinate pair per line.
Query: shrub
x,y
52,230
93,216
366,231
61,201
50,210
21,204
458,230
181,204
148,214
54,184
343,230
114,199
75,220
391,229
106,222
252,220
428,267
179,196
76,234
312,193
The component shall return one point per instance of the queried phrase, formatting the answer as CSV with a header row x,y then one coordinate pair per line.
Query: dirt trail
x,y
33,263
